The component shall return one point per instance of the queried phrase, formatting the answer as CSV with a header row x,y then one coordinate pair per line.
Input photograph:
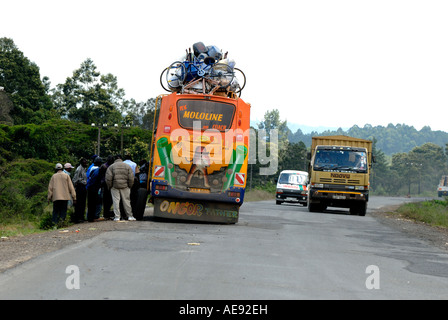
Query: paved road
x,y
274,252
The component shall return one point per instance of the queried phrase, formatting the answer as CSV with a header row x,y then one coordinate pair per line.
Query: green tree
x,y
90,97
6,106
276,139
141,114
428,163
293,157
400,171
272,122
380,181
419,170
21,81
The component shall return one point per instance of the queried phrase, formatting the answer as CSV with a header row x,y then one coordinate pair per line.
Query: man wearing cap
x,y
68,168
60,189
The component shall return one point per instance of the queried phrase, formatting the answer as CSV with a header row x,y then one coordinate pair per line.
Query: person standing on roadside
x,y
120,179
59,190
107,197
128,160
91,165
80,181
93,190
68,168
143,173
134,190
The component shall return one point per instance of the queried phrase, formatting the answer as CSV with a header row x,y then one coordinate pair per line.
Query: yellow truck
x,y
339,173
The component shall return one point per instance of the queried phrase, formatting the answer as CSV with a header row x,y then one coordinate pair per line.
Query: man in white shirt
x,y
128,160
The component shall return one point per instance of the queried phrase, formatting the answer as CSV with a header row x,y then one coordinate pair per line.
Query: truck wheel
x,y
312,207
278,202
359,209
140,204
362,209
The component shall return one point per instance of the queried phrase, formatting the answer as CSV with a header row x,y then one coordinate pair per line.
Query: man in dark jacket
x,y
80,181
93,187
120,179
107,197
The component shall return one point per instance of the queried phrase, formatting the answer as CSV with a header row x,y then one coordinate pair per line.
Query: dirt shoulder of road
x,y
436,236
19,249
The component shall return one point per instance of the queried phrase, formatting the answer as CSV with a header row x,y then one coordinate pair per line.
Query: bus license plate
x,y
339,197
199,190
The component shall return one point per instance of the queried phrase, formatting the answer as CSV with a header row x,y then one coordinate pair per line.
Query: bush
x,y
433,212
67,141
23,188
46,222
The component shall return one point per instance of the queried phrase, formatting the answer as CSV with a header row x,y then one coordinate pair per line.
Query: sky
x,y
321,63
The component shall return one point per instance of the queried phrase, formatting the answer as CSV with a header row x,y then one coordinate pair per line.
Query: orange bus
x,y
199,157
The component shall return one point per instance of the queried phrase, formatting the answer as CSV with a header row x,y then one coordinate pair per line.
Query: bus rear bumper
x,y
219,212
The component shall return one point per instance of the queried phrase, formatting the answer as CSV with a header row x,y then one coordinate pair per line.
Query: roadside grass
x,y
259,195
19,228
431,212
22,225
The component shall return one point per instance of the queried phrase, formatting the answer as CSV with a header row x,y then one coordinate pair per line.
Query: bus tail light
x,y
161,187
233,194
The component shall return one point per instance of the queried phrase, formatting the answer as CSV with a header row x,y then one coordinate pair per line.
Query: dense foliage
x,y
23,188
66,141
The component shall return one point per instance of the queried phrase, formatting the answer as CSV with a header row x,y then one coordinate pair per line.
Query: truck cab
x,y
339,173
292,187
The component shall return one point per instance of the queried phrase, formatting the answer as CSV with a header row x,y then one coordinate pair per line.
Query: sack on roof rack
x,y
199,48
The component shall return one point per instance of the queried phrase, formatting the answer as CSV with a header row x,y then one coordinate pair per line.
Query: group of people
x,y
96,188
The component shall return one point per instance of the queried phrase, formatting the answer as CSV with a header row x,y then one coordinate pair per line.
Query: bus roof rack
x,y
204,71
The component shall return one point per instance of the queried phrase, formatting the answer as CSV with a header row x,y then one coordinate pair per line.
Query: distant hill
x,y
293,127
308,129
391,139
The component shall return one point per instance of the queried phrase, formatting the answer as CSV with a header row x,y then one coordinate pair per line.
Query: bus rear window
x,y
211,114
